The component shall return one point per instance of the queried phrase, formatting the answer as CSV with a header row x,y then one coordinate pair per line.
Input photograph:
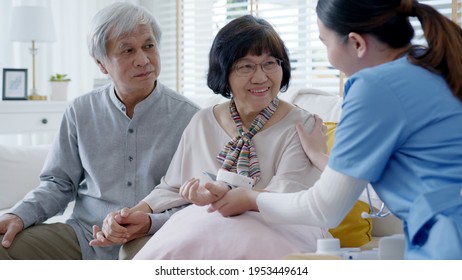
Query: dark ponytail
x,y
444,52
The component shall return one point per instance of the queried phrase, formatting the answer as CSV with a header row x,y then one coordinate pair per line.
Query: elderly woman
x,y
253,135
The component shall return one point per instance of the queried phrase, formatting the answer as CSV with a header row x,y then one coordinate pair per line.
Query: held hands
x,y
235,202
192,191
122,226
219,197
315,143
10,226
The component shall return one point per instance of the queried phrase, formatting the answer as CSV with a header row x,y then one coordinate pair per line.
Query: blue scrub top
x,y
401,130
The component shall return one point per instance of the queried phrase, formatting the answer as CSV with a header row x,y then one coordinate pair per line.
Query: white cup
x,y
391,247
328,246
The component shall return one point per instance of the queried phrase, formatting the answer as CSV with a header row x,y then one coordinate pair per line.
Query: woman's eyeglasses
x,y
246,68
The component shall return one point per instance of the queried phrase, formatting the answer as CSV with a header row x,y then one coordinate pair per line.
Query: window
x,y
189,27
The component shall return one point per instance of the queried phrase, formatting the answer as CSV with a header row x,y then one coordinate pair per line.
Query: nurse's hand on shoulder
x,y
314,143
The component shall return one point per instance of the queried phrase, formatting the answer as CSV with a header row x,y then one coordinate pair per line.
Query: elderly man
x,y
112,148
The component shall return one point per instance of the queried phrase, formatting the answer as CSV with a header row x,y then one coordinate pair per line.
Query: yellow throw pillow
x,y
331,126
353,231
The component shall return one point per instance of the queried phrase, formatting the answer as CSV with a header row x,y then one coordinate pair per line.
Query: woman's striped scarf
x,y
239,155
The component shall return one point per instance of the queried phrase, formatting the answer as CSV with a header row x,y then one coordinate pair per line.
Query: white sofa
x,y
20,168
20,165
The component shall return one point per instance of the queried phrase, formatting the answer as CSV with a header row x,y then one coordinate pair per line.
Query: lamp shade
x,y
32,23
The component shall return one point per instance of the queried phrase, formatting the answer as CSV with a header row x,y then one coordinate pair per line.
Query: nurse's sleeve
x,y
324,205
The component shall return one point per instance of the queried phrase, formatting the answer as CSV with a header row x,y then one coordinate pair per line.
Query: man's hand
x,y
10,226
120,227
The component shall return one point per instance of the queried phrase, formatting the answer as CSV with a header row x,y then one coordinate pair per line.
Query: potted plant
x,y
59,84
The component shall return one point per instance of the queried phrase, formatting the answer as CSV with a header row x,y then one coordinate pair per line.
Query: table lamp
x,y
32,24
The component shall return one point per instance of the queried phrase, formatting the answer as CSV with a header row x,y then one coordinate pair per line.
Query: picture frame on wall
x,y
14,84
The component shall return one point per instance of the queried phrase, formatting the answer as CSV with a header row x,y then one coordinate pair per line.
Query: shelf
x,y
32,106
17,117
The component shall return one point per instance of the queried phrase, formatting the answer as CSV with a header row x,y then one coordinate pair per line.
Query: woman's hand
x,y
198,194
234,202
314,143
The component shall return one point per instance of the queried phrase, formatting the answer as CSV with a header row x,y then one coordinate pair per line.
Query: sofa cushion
x,y
326,105
331,126
354,231
20,168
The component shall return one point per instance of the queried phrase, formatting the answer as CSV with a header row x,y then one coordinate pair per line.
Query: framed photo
x,y
14,84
